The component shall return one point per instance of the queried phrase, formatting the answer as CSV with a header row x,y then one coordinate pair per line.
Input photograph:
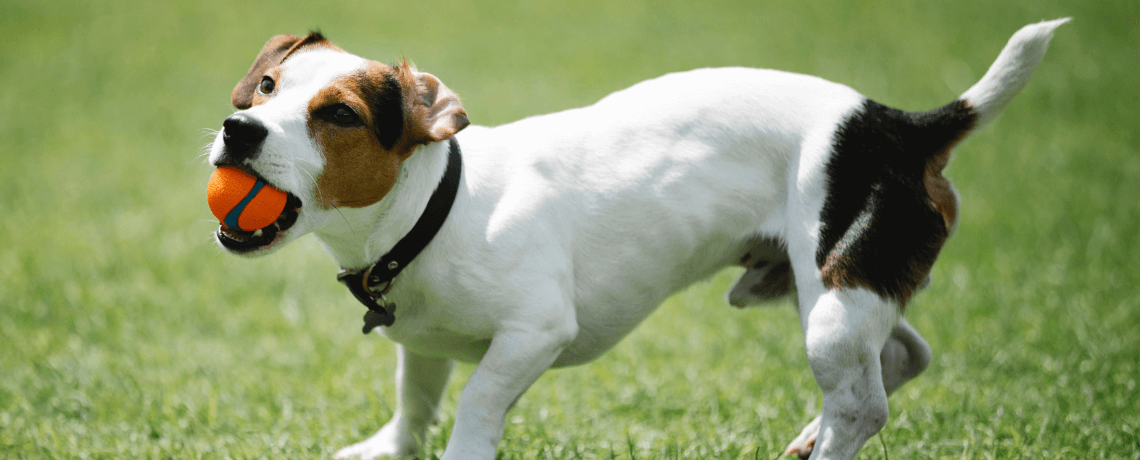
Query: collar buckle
x,y
381,311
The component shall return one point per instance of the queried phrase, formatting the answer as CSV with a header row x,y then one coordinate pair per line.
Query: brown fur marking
x,y
939,188
358,170
433,111
276,50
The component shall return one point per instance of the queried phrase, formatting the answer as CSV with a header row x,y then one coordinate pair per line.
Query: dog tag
x,y
372,319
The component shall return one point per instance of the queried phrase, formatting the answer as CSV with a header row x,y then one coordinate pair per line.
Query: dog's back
x,y
652,188
675,177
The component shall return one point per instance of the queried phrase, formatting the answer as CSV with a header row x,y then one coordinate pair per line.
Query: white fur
x,y
570,228
1011,70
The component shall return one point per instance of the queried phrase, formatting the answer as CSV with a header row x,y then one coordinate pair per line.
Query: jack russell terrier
x,y
543,242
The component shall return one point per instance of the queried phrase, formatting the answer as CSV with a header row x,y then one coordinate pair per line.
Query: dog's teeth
x,y
257,233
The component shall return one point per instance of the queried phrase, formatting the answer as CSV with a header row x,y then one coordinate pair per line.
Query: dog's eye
x,y
267,86
342,115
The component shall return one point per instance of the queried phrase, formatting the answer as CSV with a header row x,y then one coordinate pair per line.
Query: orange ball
x,y
241,201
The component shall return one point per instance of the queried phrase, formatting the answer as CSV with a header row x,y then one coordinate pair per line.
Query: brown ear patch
x,y
276,50
432,111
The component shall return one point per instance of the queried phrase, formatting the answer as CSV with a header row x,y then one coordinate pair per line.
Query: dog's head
x,y
329,128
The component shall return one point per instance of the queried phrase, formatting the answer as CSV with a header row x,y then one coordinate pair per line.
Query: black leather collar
x,y
370,284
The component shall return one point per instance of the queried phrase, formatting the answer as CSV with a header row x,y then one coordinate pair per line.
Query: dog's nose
x,y
242,133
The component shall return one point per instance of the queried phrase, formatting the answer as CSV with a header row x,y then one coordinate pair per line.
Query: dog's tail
x,y
1010,72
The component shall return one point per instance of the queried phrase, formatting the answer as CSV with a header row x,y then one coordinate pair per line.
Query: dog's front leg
x,y
420,382
515,359
844,333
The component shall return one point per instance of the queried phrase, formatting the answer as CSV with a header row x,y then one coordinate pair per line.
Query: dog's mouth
x,y
244,242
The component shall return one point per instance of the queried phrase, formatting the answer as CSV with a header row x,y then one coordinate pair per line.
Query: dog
x,y
542,243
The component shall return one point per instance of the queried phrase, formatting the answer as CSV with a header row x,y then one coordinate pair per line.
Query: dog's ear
x,y
433,111
274,52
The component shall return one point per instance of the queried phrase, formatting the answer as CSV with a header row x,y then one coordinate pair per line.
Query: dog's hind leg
x,y
845,331
420,382
904,356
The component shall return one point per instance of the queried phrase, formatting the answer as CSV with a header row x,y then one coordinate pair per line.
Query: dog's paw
x,y
386,443
805,442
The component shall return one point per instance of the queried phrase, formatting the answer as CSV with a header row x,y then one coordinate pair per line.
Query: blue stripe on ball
x,y
232,217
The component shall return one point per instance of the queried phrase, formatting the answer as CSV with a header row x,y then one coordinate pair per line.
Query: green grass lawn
x,y
125,332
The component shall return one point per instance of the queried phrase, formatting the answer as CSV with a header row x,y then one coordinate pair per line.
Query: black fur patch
x,y
386,102
880,229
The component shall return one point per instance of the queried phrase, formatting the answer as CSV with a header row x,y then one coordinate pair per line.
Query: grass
x,y
127,334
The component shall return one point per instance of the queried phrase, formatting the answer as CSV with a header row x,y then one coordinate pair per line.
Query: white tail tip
x,y
1011,71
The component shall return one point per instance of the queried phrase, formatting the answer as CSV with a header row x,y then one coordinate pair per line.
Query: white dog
x,y
543,242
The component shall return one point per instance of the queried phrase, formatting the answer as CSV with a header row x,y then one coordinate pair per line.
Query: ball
x,y
241,201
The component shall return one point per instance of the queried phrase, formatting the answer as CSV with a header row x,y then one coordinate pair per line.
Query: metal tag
x,y
373,318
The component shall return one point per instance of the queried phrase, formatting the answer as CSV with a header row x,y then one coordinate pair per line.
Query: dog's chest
x,y
438,342
435,323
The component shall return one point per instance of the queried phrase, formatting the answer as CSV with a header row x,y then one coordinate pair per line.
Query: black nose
x,y
243,134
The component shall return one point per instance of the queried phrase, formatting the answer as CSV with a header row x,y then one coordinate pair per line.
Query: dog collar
x,y
371,284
